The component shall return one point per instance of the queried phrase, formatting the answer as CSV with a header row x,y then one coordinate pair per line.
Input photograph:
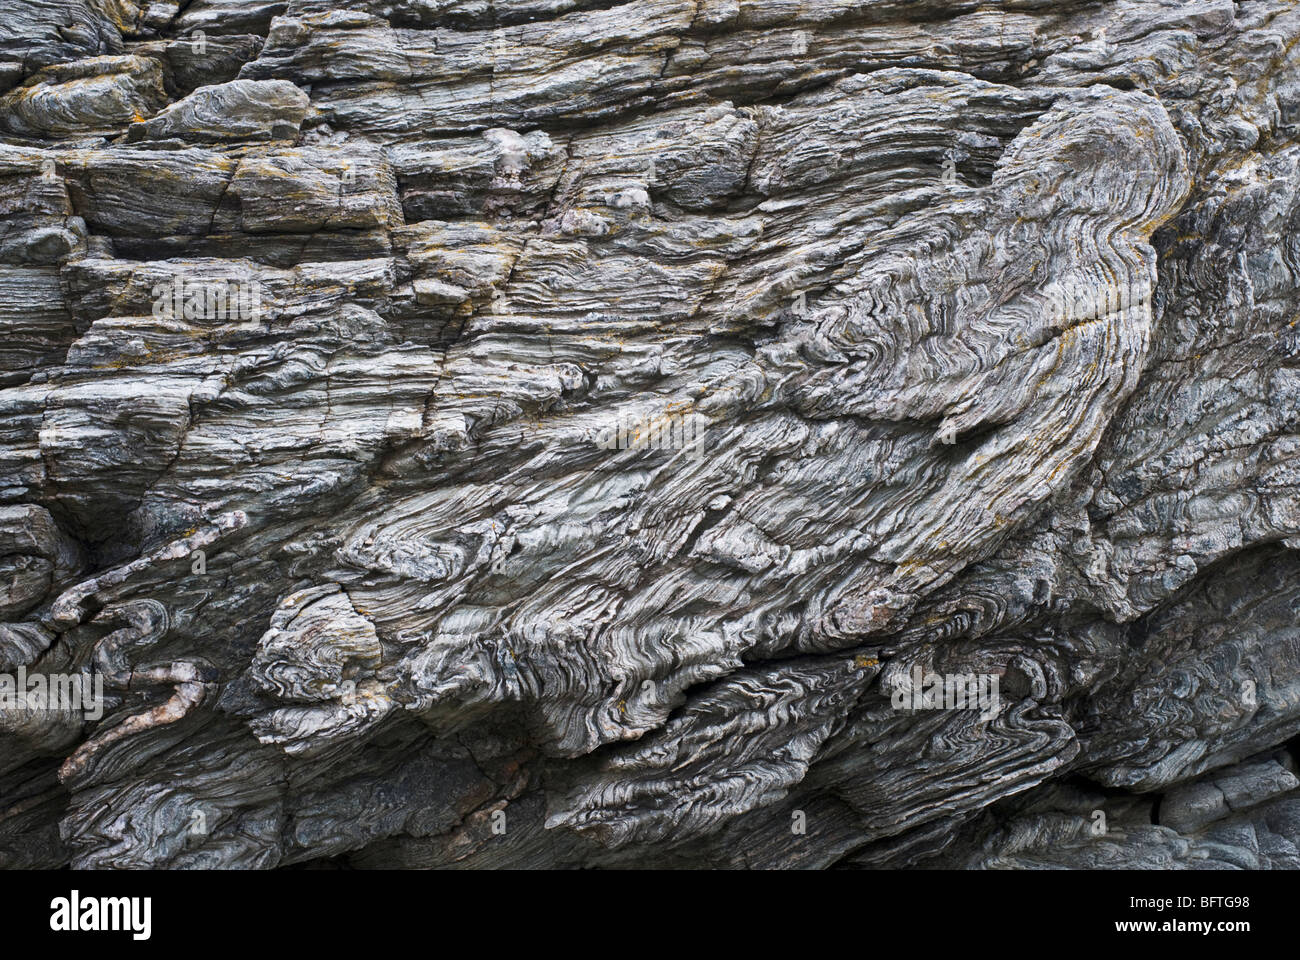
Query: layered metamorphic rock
x,y
550,433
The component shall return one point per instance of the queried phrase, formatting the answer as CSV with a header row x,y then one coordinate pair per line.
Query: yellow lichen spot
x,y
861,661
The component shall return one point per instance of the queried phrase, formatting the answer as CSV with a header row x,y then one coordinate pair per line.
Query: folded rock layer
x,y
671,432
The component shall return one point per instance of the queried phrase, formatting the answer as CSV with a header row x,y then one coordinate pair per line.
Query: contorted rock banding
x,y
562,435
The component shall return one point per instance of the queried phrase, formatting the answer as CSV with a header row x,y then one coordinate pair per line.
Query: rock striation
x,y
670,432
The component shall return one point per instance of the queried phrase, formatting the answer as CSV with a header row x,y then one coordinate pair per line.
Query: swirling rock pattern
x,y
572,434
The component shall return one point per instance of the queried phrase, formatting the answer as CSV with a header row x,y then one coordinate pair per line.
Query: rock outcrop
x,y
676,433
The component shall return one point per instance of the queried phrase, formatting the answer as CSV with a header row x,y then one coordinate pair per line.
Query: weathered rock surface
x,y
567,434
238,110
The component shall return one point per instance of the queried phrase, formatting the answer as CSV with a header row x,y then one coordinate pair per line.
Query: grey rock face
x,y
238,110
669,433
